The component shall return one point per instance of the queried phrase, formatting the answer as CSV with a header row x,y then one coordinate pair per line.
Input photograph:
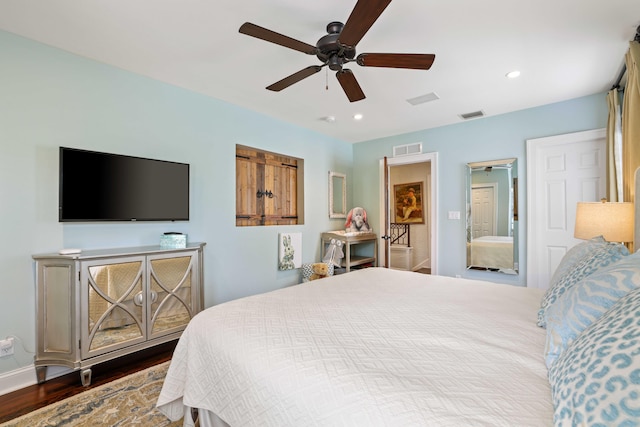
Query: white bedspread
x,y
374,347
492,252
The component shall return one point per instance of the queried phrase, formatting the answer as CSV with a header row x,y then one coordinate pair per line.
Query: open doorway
x,y
417,173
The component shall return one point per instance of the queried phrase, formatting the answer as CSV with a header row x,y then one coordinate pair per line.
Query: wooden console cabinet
x,y
97,305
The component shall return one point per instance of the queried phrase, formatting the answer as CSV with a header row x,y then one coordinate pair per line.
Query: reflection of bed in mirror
x,y
492,252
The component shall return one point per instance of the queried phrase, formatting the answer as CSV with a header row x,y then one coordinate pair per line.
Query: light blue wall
x,y
490,138
49,98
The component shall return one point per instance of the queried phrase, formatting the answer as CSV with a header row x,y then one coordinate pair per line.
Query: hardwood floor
x,y
20,402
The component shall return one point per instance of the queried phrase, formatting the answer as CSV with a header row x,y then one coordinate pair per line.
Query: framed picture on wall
x,y
289,251
409,203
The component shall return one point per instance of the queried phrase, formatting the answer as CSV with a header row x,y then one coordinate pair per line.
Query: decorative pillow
x,y
585,302
596,381
600,256
569,262
307,271
573,257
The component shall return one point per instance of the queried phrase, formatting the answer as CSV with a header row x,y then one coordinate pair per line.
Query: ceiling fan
x,y
338,47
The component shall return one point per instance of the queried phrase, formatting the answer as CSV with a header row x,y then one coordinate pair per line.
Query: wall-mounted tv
x,y
111,187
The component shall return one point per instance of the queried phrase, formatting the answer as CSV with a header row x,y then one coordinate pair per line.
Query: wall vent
x,y
472,115
407,149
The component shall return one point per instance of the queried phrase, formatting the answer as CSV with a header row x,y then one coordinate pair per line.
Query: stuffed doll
x,y
357,220
334,253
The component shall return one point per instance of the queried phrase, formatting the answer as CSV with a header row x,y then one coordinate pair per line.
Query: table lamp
x,y
613,221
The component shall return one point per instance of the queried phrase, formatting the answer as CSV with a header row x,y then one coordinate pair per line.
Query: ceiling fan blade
x,y
294,78
350,85
362,17
417,61
254,30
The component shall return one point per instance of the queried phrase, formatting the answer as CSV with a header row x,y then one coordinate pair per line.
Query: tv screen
x,y
111,187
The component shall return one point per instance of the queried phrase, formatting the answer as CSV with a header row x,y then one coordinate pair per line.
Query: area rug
x,y
128,401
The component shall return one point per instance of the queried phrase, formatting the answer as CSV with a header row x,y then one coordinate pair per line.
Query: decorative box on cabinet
x,y
348,240
97,305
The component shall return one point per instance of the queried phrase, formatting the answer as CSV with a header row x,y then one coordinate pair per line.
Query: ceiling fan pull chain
x,y
326,74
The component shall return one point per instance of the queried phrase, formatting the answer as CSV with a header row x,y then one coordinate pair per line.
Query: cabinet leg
x,y
41,374
85,377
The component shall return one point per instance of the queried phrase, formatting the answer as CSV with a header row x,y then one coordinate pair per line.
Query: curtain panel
x,y
614,147
631,121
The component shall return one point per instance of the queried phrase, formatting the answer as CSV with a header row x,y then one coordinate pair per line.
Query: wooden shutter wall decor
x,y
266,188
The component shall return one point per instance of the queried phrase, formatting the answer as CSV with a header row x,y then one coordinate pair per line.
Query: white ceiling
x,y
563,48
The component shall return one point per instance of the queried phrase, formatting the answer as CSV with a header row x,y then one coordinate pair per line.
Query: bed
x,y
493,252
372,347
381,347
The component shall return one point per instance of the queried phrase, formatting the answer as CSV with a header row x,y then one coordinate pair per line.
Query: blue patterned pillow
x,y
600,256
573,257
586,301
596,381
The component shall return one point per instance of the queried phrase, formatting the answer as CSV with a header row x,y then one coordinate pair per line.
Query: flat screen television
x,y
98,186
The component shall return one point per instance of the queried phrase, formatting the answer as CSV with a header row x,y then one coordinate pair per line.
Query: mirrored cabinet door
x,y
492,215
171,293
115,315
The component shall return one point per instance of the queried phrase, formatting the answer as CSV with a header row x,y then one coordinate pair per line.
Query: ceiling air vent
x,y
424,98
472,115
407,150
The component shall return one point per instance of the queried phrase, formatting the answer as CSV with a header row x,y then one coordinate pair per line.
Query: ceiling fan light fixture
x,y
335,63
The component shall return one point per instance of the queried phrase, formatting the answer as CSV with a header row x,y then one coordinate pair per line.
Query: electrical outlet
x,y
6,347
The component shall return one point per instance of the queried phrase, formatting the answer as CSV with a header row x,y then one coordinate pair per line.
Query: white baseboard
x,y
424,264
25,377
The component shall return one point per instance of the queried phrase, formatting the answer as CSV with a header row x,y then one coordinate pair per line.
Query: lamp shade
x,y
613,221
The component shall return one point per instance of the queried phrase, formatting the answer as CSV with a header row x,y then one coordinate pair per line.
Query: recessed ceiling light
x,y
329,119
357,116
513,74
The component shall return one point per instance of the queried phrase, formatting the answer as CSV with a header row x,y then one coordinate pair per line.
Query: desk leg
x,y
348,257
375,252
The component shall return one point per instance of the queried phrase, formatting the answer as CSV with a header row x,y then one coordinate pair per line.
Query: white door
x,y
563,170
483,208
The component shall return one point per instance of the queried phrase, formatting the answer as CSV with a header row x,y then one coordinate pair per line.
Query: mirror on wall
x,y
337,195
492,216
